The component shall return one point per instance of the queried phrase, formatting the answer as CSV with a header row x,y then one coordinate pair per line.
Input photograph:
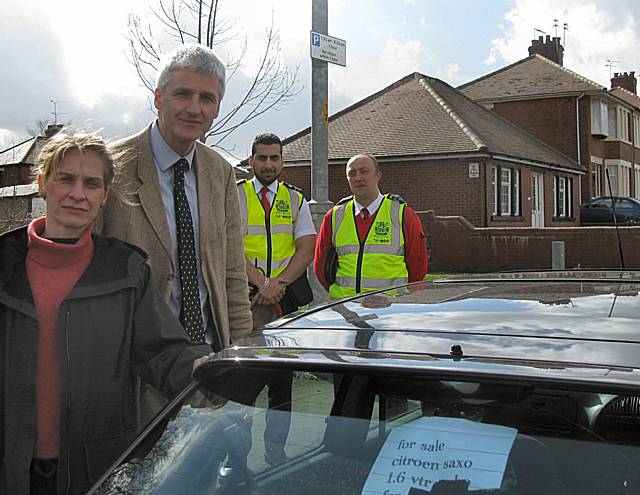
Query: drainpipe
x,y
633,156
578,141
485,193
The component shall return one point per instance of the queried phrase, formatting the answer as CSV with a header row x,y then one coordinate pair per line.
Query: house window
x,y
623,124
625,175
506,191
636,130
612,180
613,122
599,117
563,197
595,180
620,172
494,180
637,177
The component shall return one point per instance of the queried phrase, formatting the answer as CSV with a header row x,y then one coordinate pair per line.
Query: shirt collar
x,y
163,154
257,185
372,208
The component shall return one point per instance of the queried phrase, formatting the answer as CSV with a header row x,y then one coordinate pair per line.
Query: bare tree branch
x,y
272,84
39,128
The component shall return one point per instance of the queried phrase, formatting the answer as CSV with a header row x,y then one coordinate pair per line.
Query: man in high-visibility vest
x,y
377,239
279,240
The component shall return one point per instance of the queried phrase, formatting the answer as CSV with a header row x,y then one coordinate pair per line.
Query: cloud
x,y
368,72
32,71
451,72
38,67
598,30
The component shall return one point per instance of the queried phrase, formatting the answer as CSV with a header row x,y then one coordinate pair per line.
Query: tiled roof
x,y
533,76
26,152
421,116
628,96
18,190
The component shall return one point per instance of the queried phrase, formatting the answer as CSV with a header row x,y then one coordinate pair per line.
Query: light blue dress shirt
x,y
164,157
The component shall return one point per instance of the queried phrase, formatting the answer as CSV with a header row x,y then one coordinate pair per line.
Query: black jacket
x,y
112,329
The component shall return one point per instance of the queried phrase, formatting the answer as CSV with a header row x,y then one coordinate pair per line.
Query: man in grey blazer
x,y
190,86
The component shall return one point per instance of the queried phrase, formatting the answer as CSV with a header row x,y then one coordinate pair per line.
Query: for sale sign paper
x,y
430,449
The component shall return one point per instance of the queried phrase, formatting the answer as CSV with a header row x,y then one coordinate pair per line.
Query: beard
x,y
266,180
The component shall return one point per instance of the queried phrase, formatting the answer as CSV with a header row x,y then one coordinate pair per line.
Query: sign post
x,y
328,48
324,49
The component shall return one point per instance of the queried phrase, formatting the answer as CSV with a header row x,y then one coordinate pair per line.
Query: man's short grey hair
x,y
197,58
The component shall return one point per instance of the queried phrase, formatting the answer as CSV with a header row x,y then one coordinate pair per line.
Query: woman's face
x,y
75,194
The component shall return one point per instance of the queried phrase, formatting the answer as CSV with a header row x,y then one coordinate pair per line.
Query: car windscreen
x,y
260,430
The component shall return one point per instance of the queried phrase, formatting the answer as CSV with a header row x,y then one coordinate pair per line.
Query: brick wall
x,y
551,120
619,150
456,246
445,187
12,175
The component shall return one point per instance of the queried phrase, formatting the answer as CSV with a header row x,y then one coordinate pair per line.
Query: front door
x,y
537,200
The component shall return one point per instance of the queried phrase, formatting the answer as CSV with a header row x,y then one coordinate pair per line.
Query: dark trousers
x,y
278,416
43,477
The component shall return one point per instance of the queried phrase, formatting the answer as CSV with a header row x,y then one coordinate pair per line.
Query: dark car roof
x,y
586,321
635,200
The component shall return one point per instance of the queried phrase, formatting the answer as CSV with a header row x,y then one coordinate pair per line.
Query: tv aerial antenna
x,y
611,63
55,112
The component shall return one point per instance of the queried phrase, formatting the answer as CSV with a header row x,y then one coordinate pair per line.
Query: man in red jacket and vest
x,y
378,240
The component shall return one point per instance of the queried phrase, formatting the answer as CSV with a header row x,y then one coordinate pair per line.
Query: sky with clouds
x,y
74,52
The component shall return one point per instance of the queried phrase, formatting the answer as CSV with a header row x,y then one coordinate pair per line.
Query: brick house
x,y
596,127
443,152
16,162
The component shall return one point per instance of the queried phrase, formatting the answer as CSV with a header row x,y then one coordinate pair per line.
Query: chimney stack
x,y
548,48
624,80
52,130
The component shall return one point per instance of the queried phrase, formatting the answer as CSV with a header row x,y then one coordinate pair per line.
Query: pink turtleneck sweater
x,y
53,269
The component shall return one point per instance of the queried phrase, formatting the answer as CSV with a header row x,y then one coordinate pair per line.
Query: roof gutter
x,y
473,155
537,164
542,96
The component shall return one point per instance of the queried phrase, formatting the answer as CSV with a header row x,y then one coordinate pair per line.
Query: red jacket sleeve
x,y
415,246
323,246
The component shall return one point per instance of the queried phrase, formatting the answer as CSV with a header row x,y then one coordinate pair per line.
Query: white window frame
x,y
561,211
636,169
623,125
599,117
595,180
613,122
611,183
619,174
505,186
636,130
563,196
494,181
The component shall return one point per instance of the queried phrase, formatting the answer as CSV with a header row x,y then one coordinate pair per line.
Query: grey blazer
x,y
144,224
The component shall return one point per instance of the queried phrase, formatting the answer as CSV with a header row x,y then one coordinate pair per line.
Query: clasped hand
x,y
271,293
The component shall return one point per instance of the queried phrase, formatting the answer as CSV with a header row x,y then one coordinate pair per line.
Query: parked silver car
x,y
505,384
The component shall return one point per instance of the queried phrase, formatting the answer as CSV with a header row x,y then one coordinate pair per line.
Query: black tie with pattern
x,y
190,312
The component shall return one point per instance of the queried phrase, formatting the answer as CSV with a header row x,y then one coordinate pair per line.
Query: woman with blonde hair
x,y
79,325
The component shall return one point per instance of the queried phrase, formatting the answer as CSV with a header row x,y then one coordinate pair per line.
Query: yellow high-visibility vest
x,y
268,242
376,263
